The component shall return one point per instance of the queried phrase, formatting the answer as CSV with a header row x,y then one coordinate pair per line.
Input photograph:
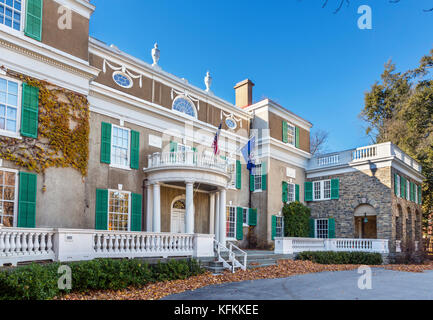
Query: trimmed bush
x,y
296,220
332,257
40,282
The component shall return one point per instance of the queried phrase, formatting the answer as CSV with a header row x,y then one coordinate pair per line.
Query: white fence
x,y
187,158
27,245
296,245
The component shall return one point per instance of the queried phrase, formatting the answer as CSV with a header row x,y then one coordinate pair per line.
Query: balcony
x,y
377,152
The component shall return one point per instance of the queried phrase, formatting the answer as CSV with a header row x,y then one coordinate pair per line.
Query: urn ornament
x,y
208,81
155,54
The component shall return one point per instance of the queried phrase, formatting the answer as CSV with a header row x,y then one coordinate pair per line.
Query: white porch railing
x,y
231,262
132,244
187,158
27,245
296,245
21,245
367,153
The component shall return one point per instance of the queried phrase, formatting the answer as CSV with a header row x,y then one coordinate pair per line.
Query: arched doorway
x,y
178,215
365,222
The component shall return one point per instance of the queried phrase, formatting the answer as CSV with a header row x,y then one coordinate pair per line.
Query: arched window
x,y
184,105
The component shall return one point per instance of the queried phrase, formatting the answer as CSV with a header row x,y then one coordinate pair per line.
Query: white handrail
x,y
242,253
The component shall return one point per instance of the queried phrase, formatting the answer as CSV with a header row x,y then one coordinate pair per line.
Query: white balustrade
x,y
187,158
328,160
22,245
296,245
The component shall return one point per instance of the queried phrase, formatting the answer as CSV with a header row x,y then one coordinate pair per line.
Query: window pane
x,y
7,198
118,214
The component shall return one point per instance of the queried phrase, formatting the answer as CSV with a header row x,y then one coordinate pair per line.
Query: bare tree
x,y
318,141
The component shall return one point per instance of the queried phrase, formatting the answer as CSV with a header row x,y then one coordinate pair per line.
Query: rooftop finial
x,y
208,81
155,54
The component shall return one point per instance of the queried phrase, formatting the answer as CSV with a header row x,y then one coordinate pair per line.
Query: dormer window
x,y
184,105
122,80
10,13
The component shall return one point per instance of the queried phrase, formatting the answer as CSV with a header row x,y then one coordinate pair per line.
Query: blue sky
x,y
311,61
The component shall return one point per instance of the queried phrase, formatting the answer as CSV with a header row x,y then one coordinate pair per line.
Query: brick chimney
x,y
244,93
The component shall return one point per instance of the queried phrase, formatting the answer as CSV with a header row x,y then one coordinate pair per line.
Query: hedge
x,y
332,257
40,282
296,220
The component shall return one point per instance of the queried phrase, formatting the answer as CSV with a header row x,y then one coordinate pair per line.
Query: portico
x,y
192,175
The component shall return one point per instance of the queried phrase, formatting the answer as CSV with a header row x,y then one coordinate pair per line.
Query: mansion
x,y
135,153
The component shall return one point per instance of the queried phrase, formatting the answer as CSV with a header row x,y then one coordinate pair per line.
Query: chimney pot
x,y
244,93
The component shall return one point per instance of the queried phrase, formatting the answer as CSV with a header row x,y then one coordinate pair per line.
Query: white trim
x,y
116,165
235,222
322,190
129,207
15,219
184,97
19,107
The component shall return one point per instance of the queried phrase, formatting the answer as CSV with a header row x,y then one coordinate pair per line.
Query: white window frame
x,y
316,230
15,219
20,32
231,162
258,177
115,165
129,207
195,117
246,214
321,184
291,128
293,187
234,223
277,235
17,134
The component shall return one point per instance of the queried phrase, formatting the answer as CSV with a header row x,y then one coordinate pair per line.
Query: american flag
x,y
216,150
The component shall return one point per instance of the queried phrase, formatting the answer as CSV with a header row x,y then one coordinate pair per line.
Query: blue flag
x,y
246,153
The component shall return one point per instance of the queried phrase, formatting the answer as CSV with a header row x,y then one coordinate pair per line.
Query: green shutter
x,y
308,191
335,189
331,228
101,218
297,192
135,150
419,195
312,228
412,191
402,187
297,137
173,146
136,211
285,132
264,176
274,227
105,142
27,200
395,184
285,192
238,174
252,217
33,27
29,111
252,183
239,224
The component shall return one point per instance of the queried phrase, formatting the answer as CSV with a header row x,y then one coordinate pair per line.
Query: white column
x,y
189,203
212,213
156,222
222,217
217,216
149,207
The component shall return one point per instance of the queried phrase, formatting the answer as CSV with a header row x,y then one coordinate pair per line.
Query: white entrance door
x,y
178,220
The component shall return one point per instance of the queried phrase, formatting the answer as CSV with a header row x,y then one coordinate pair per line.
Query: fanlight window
x,y
179,204
181,104
122,80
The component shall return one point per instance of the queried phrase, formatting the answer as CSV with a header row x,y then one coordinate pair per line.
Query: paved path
x,y
342,285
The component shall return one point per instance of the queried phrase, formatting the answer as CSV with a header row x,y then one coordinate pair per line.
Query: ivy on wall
x,y
63,131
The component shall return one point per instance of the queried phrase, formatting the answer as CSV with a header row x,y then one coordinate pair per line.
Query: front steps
x,y
255,259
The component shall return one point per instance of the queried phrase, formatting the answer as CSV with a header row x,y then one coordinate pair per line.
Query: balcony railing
x,y
368,153
188,159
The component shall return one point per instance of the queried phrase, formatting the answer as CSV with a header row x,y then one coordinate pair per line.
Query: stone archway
x,y
365,222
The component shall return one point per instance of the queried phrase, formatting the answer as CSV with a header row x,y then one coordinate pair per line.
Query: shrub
x,y
39,282
332,257
296,220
